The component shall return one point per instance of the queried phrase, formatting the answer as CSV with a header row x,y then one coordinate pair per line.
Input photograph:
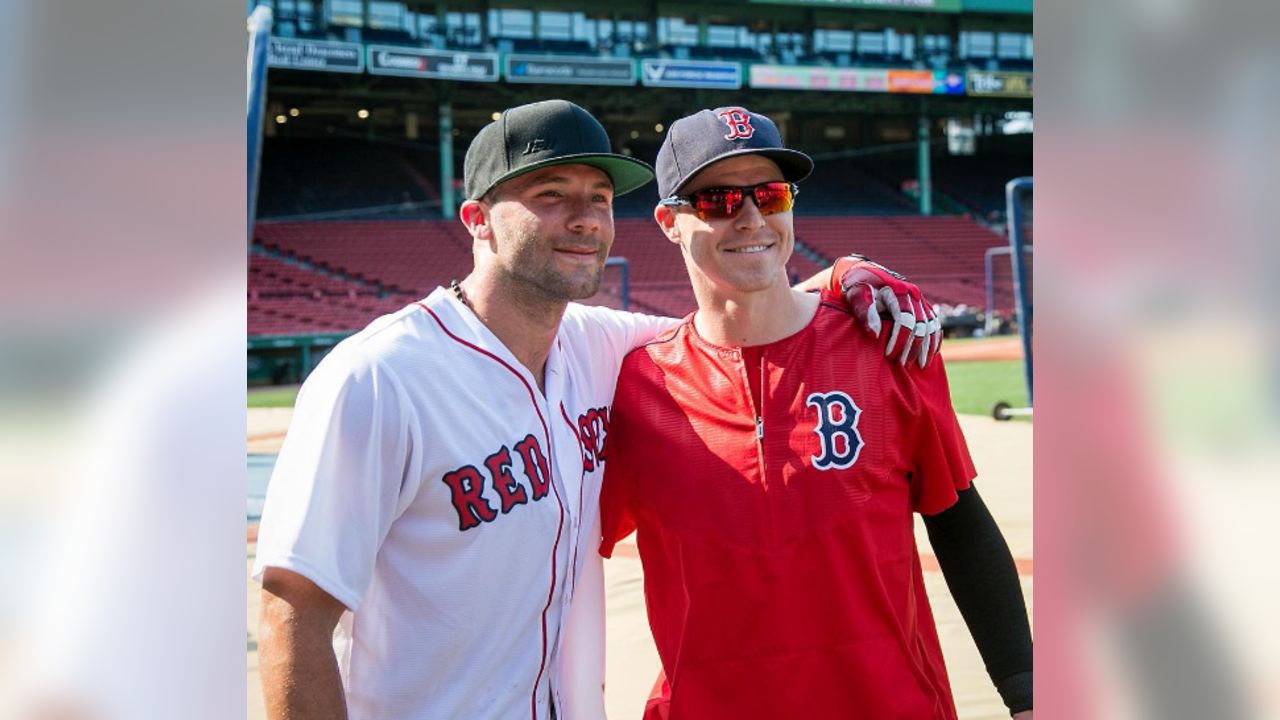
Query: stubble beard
x,y
538,280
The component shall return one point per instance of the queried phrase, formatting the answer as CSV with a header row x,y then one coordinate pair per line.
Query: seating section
x,y
307,315
942,254
319,179
305,20
305,176
337,276
975,182
552,47
387,36
852,59
842,187
658,283
274,276
400,256
700,52
286,298
388,264
314,179
978,182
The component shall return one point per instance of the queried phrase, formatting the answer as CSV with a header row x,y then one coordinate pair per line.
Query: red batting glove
x,y
872,289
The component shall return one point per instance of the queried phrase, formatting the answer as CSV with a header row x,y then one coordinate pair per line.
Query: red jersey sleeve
x,y
617,491
942,465
617,517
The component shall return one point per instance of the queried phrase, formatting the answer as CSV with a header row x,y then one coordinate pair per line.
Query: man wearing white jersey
x,y
434,508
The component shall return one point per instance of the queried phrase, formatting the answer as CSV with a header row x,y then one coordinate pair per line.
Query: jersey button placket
x,y
558,490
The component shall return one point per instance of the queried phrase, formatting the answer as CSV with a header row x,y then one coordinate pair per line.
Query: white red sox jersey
x,y
428,485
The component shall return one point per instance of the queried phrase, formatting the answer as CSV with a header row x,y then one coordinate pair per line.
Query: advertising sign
x,y
926,82
436,64
1000,83
326,55
569,71
690,74
794,77
929,5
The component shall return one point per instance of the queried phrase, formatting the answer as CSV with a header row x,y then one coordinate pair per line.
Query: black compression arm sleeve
x,y
983,580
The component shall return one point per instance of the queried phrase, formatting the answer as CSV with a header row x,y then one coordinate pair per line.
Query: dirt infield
x,y
1001,348
267,427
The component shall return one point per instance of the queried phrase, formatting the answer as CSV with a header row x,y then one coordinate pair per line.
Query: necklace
x,y
462,296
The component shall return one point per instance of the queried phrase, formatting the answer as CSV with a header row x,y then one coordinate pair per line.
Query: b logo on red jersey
x,y
837,430
739,122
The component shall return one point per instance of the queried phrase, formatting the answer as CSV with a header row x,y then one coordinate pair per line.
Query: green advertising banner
x,y
995,83
1020,7
926,5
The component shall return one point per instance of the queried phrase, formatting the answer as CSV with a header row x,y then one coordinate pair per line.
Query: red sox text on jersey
x,y
467,483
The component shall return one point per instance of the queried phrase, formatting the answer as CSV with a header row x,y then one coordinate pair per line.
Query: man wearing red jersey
x,y
775,526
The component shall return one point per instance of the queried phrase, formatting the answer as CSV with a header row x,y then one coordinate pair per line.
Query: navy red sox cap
x,y
695,141
541,134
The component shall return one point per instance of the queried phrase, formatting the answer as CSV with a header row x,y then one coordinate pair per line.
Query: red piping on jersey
x,y
551,593
582,490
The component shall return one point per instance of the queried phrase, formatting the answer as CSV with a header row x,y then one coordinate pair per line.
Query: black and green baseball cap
x,y
541,134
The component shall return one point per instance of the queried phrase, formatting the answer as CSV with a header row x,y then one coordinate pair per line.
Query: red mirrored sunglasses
x,y
725,202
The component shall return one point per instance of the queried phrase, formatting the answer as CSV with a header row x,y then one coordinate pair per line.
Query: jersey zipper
x,y
760,425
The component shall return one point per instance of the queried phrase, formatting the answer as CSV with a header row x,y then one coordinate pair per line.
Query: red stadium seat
x,y
406,259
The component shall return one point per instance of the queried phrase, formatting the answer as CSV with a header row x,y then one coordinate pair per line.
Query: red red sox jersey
x,y
428,485
780,566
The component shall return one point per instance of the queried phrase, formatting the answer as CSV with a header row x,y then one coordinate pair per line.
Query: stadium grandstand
x,y
918,112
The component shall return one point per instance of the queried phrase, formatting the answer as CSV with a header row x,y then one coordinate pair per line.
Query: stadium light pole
x,y
923,171
259,36
446,156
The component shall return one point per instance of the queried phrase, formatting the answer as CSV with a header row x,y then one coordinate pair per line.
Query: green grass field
x,y
975,387
278,396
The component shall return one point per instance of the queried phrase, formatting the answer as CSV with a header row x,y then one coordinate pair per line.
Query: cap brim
x,y
794,164
626,173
